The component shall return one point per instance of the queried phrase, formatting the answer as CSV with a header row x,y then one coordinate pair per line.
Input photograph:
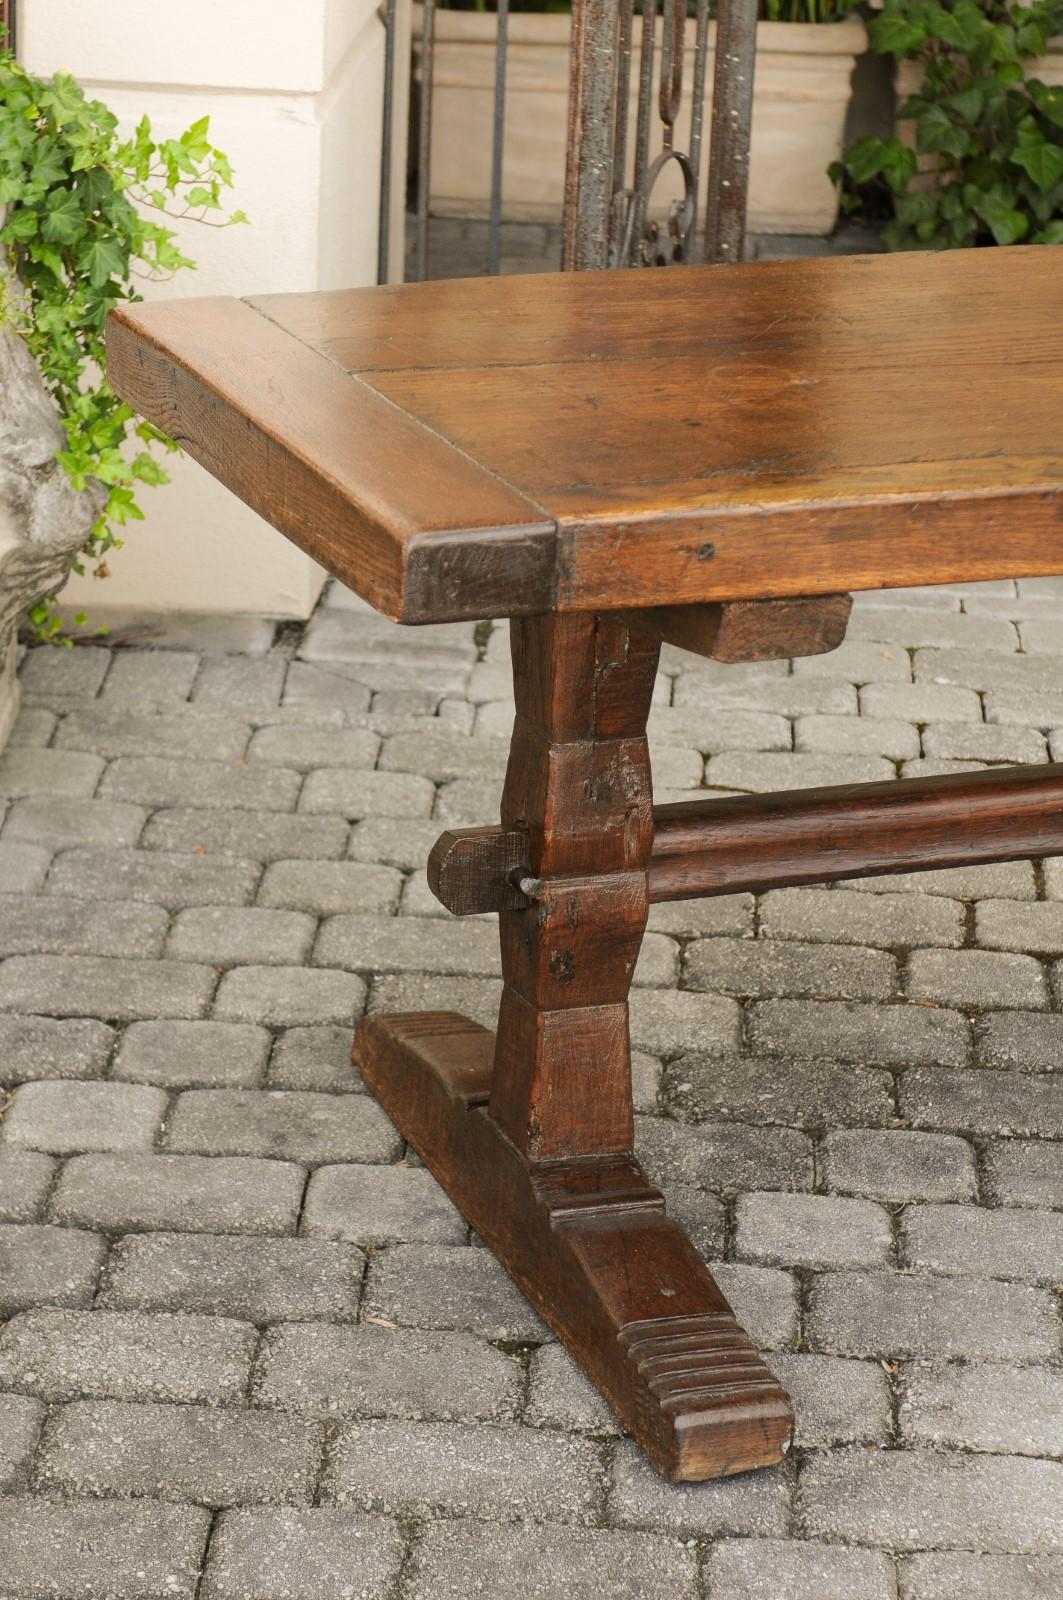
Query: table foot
x,y
587,1240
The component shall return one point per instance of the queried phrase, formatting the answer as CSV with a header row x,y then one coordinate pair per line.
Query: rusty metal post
x,y
732,121
589,164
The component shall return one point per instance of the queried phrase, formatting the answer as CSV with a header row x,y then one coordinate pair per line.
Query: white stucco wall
x,y
294,94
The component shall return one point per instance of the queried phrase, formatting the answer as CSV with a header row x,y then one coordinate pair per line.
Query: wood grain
x,y
755,630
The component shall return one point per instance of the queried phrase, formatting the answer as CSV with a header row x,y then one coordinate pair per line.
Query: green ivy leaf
x,y
63,221
1043,162
102,258
936,133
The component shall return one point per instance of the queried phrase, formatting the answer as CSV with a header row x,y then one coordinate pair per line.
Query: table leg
x,y
530,1131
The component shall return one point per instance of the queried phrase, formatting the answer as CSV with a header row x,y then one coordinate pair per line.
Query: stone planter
x,y
43,522
801,96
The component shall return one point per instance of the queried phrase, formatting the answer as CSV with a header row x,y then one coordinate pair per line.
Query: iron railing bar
x,y
697,118
732,119
386,142
642,129
424,139
494,245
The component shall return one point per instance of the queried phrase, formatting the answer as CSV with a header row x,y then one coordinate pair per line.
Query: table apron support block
x,y
751,843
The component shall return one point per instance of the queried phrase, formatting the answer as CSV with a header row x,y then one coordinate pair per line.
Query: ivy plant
x,y
991,134
87,217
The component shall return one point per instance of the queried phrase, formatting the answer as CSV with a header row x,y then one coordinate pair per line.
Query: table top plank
x,y
698,434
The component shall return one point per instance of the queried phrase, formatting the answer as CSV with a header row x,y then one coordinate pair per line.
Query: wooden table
x,y
712,457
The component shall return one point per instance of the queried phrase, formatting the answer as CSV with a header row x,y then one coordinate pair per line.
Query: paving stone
x,y
47,1266
763,1299
975,1243
561,1396
984,1102
336,635
1025,707
229,785
1022,1040
756,1569
240,685
122,991
54,926
254,835
1012,925
723,1155
192,1055
547,1562
355,795
444,756
809,1093
164,880
288,1125
842,1030
1053,877
722,914
786,697
1024,1172
290,1553
54,773
711,731
66,1117
753,1502
41,1047
191,1194
433,1468
204,1454
913,1499
938,769
310,687
380,1205
442,1286
840,914
407,944
647,1076
289,996
666,1023
333,886
859,661
60,823
119,731
199,632
303,747
966,1575
260,1280
101,1549
921,702
990,670
895,1166
976,741
314,1058
23,868
150,677
812,1230
229,935
1011,879
892,1314
75,674
762,772
834,1401
118,1355
20,1425
477,998
976,978
325,1371
33,725
701,1215
25,1179
984,1406
866,736
393,841
781,967
919,626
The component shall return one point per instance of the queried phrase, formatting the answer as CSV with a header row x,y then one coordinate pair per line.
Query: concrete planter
x,y
802,93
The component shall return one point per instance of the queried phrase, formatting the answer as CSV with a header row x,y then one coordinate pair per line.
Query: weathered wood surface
x,y
588,441
755,630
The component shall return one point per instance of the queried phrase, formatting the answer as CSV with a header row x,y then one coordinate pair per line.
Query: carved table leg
x,y
531,1132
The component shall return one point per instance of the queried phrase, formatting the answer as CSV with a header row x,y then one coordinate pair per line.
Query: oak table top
x,y
593,441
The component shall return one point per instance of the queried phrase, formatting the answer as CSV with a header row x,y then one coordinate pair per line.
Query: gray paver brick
x,y
547,1562
150,677
290,996
372,1371
310,687
763,1299
394,842
61,823
408,944
787,697
812,1230
259,1280
20,1423
444,756
712,730
808,1093
238,684
41,1047
842,914
25,1179
229,935
723,1155
914,1499
33,725
702,1216
560,1396
963,1575
976,978
101,1549
781,967
984,1406
984,1102
723,914
990,670
62,1117
427,1468
894,1165
187,1055
328,887
160,878
59,773
1024,1172
976,1243
121,990
379,1206
870,736
919,626
23,868
304,747
752,1503
834,1401
355,795
47,1266
899,1036
117,1355
920,702
754,1569
285,1124
892,1314
251,835
301,1554
665,1023
314,1058
207,1455
444,1286
77,673
1011,879
767,771
1027,1041
60,926
190,1194
230,785
111,731
978,741
1013,925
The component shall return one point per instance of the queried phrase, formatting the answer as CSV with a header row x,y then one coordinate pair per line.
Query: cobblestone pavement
x,y
250,1351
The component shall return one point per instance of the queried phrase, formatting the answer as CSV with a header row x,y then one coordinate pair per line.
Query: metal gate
x,y
7,23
